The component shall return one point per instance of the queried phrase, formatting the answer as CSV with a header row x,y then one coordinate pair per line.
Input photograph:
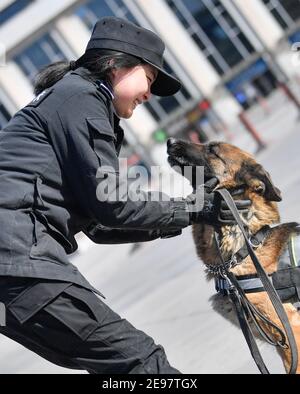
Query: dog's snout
x,y
170,142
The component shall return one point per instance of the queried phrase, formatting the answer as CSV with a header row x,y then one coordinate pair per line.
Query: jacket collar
x,y
104,86
106,89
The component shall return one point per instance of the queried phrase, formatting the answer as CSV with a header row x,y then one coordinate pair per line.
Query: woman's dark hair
x,y
98,62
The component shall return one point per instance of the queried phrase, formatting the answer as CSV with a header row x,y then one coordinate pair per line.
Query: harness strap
x,y
255,314
239,256
285,280
274,298
251,285
248,284
237,301
255,240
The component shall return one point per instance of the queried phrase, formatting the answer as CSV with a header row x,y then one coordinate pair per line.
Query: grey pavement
x,y
160,287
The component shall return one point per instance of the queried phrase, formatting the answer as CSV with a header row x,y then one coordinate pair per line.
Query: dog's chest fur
x,y
231,240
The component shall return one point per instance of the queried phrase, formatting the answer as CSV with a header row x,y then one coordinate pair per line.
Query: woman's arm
x,y
105,235
84,142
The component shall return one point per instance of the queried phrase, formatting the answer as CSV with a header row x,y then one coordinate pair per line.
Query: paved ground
x,y
161,287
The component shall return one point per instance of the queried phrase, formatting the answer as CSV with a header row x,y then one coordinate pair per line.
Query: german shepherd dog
x,y
235,169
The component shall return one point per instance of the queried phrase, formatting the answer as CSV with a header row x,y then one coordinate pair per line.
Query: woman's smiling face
x,y
131,87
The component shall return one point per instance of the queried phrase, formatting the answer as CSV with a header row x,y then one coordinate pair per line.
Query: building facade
x,y
226,53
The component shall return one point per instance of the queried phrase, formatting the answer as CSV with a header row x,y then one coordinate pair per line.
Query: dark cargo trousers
x,y
70,326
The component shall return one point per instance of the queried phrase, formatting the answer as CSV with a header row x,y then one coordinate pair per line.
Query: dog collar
x,y
255,240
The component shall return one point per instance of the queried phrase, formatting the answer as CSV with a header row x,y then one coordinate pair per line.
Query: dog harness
x,y
286,279
247,312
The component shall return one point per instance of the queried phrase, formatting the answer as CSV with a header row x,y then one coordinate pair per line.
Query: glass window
x,y
39,54
286,12
95,9
4,115
214,31
292,7
13,9
295,38
92,11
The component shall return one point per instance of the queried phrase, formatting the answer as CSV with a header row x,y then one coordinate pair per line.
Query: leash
x,y
241,308
239,299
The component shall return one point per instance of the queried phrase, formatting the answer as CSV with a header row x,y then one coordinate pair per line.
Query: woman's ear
x,y
110,62
113,71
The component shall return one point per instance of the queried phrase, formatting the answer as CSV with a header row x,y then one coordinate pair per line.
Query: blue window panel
x,y
92,11
214,31
169,104
95,9
295,37
247,75
221,49
41,53
13,9
194,6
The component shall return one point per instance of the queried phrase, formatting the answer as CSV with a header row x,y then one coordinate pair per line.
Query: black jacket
x,y
50,152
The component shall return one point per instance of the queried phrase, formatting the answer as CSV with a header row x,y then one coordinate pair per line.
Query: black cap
x,y
123,36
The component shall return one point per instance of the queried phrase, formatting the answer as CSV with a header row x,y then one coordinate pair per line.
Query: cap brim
x,y
165,84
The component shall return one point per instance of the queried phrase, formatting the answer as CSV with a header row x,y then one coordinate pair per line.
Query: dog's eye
x,y
213,148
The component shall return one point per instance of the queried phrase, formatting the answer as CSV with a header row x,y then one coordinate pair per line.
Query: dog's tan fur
x,y
234,167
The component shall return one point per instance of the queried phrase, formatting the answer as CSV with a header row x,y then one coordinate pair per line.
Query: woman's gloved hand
x,y
214,210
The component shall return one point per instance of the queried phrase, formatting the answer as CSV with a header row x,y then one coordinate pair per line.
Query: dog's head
x,y
234,169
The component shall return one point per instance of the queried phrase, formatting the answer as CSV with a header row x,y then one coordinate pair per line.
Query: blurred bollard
x,y
2,55
251,129
194,137
264,104
290,95
227,132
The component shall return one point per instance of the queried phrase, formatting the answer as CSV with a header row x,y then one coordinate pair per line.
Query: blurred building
x,y
228,54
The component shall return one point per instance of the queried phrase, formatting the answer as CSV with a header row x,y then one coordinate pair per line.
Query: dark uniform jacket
x,y
50,152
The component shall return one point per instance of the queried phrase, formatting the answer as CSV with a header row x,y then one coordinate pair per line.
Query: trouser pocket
x,y
34,298
79,309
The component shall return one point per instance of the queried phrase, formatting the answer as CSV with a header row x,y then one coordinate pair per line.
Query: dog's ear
x,y
260,181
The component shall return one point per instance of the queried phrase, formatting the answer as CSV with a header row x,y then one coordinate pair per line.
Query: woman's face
x,y
131,87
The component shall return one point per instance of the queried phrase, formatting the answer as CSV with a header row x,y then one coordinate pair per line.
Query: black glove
x,y
214,210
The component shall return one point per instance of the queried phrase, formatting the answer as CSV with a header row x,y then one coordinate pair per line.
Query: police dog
x,y
236,169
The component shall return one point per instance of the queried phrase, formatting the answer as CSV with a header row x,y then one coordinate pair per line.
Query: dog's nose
x,y
170,142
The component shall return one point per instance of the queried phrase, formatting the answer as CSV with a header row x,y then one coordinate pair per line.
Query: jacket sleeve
x,y
104,235
84,141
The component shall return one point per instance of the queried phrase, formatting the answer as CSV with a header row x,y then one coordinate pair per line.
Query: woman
x,y
52,153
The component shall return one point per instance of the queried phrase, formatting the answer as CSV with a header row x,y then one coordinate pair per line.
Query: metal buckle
x,y
251,238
